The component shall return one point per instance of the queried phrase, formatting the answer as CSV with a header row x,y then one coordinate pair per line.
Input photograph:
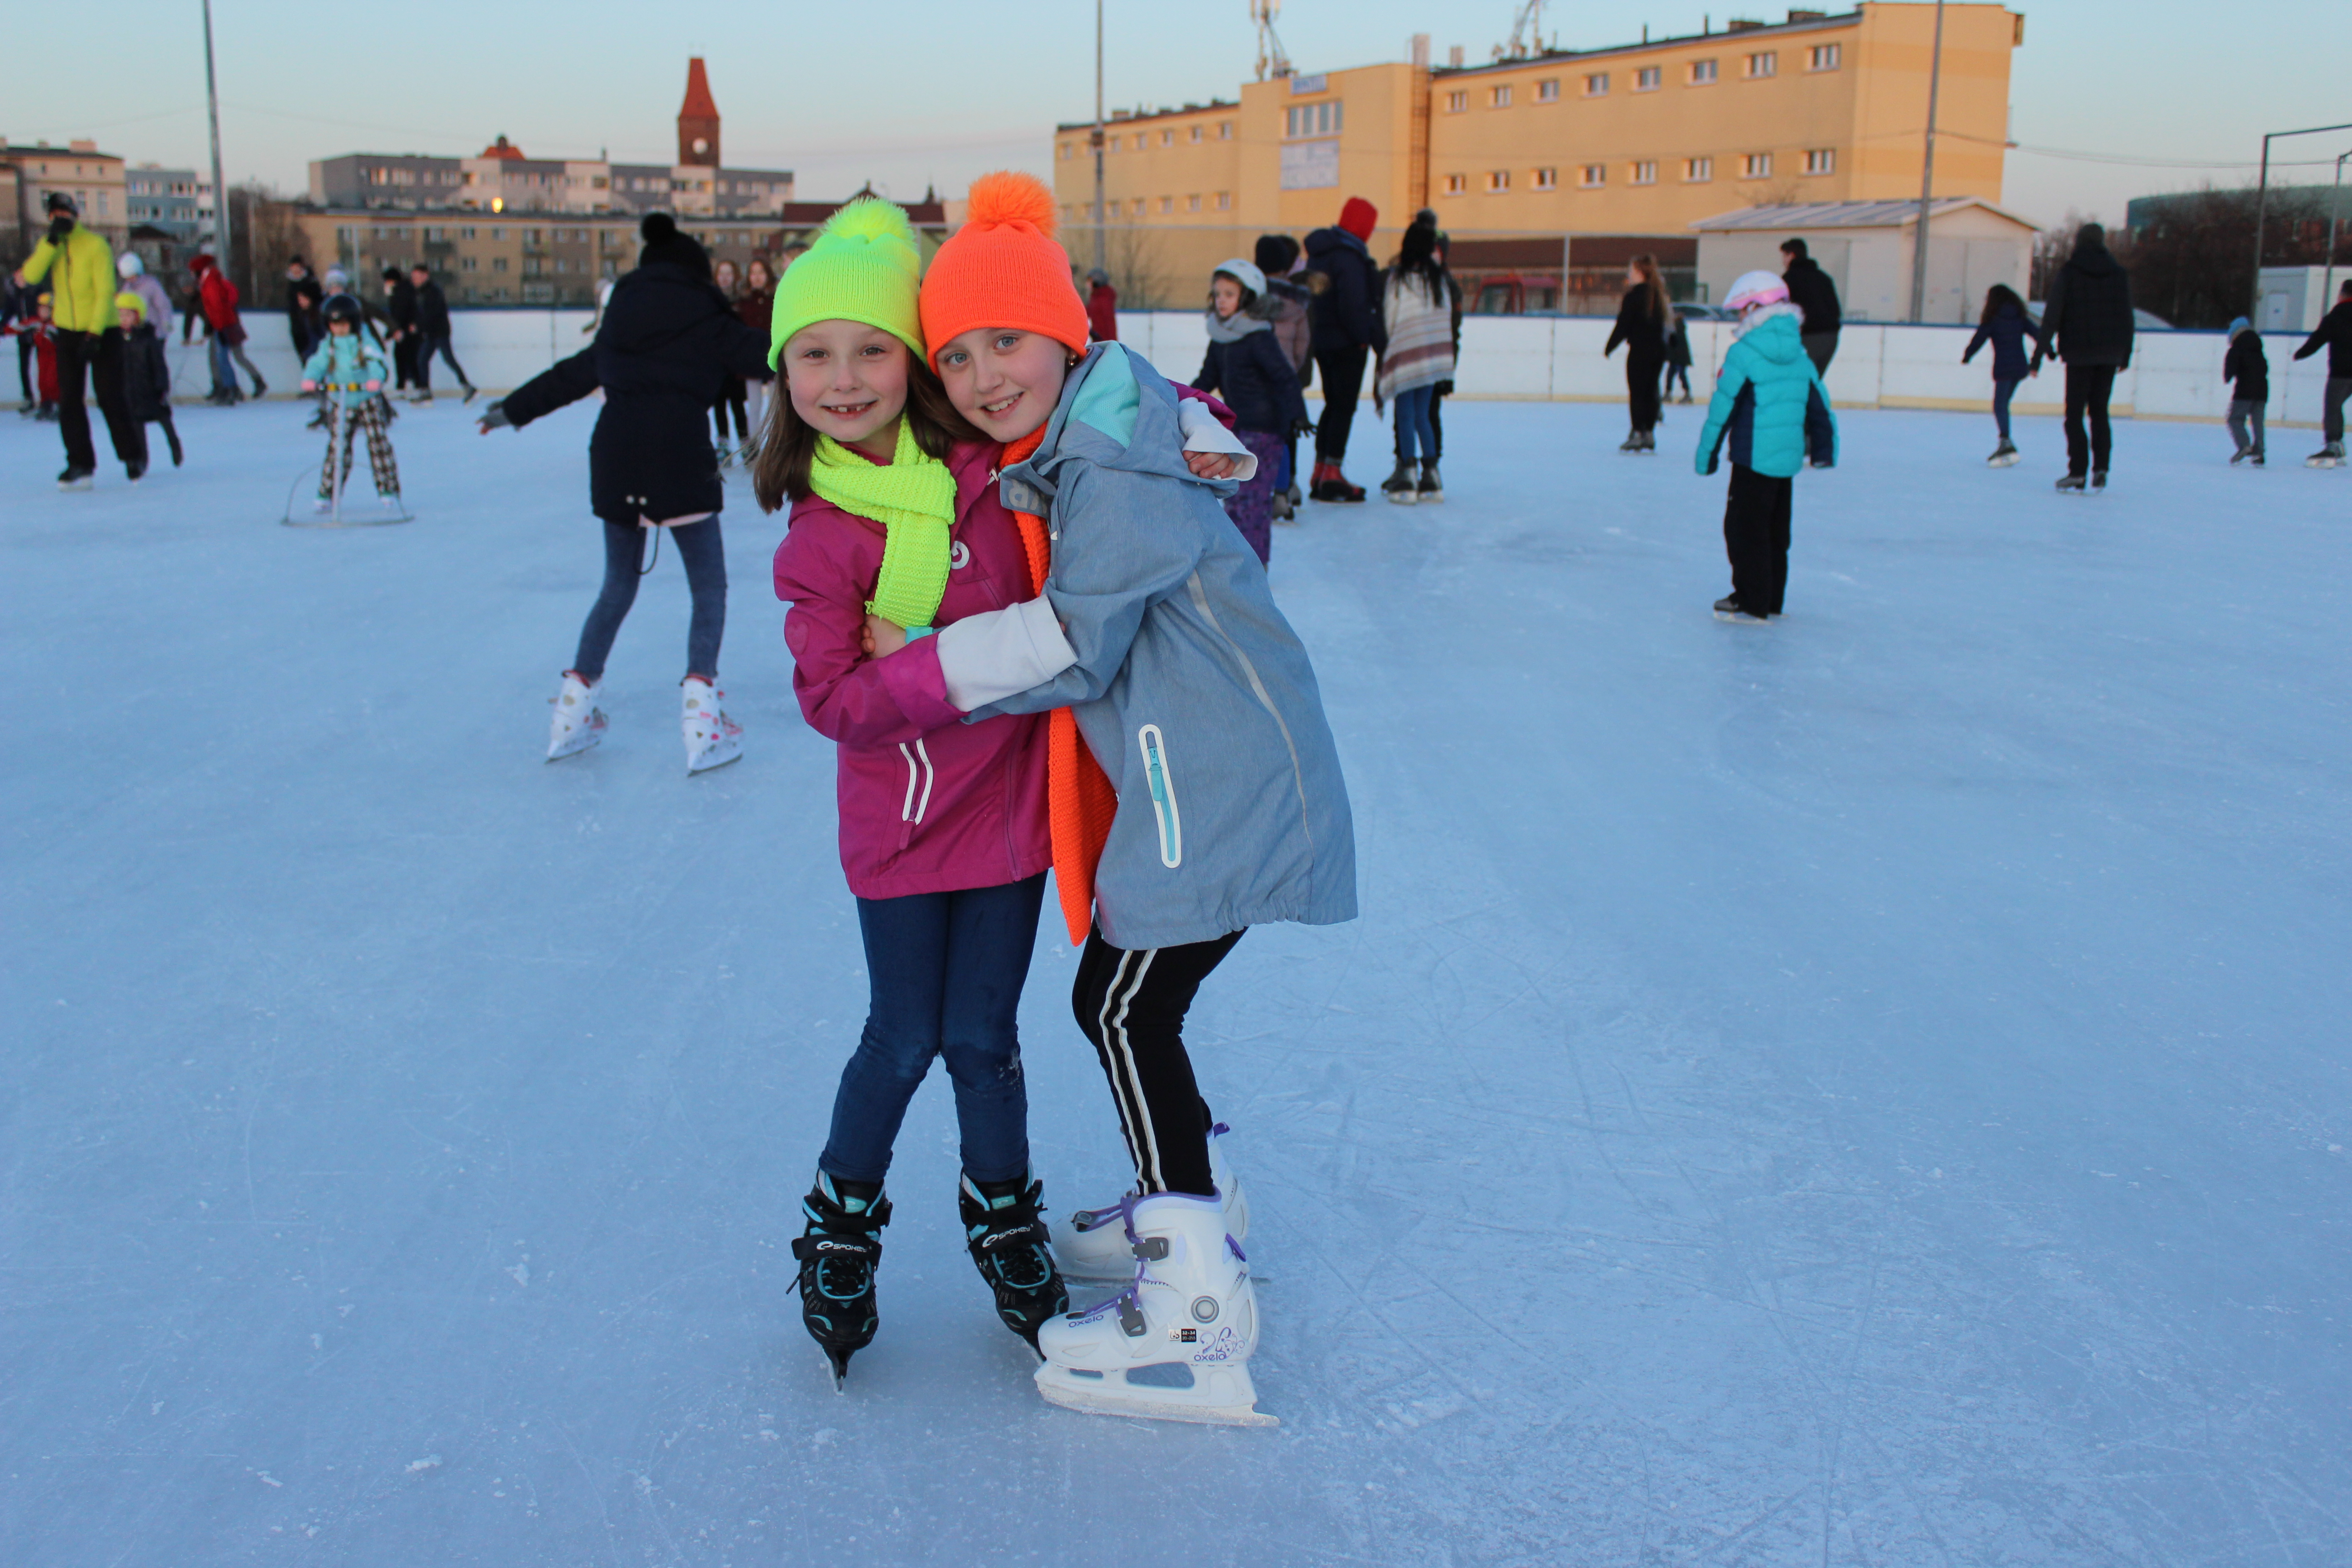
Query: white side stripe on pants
x,y
1127,1085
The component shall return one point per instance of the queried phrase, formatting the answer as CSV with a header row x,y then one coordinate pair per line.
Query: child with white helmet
x,y
1771,404
1246,366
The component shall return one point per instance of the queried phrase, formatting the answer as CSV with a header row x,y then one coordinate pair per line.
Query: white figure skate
x,y
1175,1344
1095,1244
579,723
712,740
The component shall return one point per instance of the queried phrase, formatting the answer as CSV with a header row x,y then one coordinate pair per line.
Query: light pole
x,y
1101,263
2262,208
220,190
2335,212
1926,177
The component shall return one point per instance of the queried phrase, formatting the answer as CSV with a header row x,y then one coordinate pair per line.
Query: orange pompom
x,y
1008,197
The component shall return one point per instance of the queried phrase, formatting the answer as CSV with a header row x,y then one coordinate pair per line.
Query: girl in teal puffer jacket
x,y
1771,404
350,370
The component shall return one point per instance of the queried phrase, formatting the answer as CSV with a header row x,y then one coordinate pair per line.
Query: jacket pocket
x,y
1163,794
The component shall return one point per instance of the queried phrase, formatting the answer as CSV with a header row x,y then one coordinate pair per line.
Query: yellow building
x,y
1642,140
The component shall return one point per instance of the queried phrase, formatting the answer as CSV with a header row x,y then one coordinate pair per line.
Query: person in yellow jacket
x,y
79,266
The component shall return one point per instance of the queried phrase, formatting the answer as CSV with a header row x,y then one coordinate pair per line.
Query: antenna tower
x,y
1526,33
1271,59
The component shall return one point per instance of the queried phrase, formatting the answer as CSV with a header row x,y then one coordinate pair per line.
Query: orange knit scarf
x,y
1079,799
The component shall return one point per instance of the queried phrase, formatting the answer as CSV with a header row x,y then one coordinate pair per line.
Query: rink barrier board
x,y
1521,359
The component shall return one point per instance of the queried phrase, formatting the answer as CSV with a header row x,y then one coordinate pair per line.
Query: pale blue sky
x,y
909,90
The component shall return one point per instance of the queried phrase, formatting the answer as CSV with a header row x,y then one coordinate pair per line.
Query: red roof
x,y
699,104
502,148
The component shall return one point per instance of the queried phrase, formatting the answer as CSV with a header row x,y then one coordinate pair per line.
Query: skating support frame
x,y
1220,1397
335,518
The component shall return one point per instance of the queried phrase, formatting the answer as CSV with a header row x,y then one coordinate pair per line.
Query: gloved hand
x,y
494,417
60,227
1302,427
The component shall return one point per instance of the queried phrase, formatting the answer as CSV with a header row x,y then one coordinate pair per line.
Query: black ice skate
x,y
2098,482
1399,487
1431,488
838,1254
2072,482
1007,1240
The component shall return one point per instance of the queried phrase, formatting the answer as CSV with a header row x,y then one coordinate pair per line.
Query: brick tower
x,y
697,119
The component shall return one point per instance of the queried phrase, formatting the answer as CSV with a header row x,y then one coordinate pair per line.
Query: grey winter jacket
x,y
1190,687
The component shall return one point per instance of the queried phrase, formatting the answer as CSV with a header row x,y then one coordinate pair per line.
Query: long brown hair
x,y
788,447
1647,266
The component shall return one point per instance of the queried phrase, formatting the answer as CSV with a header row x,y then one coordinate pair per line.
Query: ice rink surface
x,y
1867,1089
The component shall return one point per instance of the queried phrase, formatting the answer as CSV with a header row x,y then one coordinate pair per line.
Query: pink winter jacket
x,y
929,804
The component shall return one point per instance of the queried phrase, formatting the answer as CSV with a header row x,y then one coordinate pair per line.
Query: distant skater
x,y
146,375
1810,290
1678,359
1416,314
2335,332
2248,370
2006,326
1771,404
1641,326
2087,322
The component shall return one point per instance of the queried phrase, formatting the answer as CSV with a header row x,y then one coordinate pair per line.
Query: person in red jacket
x,y
219,299
1102,307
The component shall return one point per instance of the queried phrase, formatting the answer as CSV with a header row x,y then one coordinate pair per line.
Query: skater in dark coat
x,y
1810,290
668,341
2006,326
1678,359
1344,320
2335,335
2248,370
2087,322
1643,327
146,375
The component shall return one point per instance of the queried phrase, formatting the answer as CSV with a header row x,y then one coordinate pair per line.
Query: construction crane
x,y
1271,59
1526,33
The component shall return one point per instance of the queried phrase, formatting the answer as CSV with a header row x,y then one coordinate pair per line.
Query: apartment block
x,y
94,180
176,204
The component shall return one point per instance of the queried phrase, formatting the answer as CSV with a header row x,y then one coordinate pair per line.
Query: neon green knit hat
x,y
864,265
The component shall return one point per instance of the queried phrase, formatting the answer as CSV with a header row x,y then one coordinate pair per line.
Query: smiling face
x,y
848,380
1003,379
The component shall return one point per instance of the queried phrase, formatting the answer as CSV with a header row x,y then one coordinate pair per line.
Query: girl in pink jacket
x,y
943,825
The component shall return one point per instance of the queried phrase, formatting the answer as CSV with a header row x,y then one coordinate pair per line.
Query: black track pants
x,y
1131,1003
1756,537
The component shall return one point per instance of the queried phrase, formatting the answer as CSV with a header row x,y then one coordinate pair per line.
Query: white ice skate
x,y
579,723
1095,1244
712,740
1175,1344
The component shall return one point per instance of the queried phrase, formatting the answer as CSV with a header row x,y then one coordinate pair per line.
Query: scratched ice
x,y
1870,1089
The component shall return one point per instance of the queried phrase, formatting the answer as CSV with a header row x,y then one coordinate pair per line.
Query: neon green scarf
x,y
913,497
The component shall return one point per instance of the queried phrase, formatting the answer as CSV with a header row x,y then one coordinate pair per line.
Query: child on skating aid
x,y
146,377
2248,371
1771,404
1196,788
943,828
1246,366
351,372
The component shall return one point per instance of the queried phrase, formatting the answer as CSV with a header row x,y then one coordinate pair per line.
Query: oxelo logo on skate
x,y
1222,1346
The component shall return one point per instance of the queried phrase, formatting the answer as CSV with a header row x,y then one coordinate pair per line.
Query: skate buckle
x,y
1152,1249
1130,1317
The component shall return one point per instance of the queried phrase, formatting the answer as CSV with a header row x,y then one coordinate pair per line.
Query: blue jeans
x,y
704,554
2002,391
947,971
1413,424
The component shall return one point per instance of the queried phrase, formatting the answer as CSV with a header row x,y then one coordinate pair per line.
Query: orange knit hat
x,y
1002,269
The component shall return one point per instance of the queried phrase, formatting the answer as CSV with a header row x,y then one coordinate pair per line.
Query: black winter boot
x,y
1007,1241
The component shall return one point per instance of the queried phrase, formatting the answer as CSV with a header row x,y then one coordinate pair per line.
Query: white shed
x,y
1866,248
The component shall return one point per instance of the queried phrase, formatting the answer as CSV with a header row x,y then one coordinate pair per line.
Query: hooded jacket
x,y
216,298
1769,402
1190,688
81,294
2007,332
1252,375
343,365
2087,319
1346,313
146,377
928,804
668,341
2247,367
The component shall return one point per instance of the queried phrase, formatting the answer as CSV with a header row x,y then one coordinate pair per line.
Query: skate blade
x,y
710,760
1224,1396
573,748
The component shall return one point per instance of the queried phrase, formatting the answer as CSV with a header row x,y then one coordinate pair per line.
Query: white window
x,y
1701,72
1597,85
1167,138
1756,166
1196,134
1646,80
1135,208
1593,176
1167,205
1498,181
1644,174
1458,184
1821,161
1500,97
1548,90
1224,201
1225,130
1547,179
1140,139
1457,103
1697,171
1326,118
1763,64
1824,57
466,264
1069,151
1191,203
